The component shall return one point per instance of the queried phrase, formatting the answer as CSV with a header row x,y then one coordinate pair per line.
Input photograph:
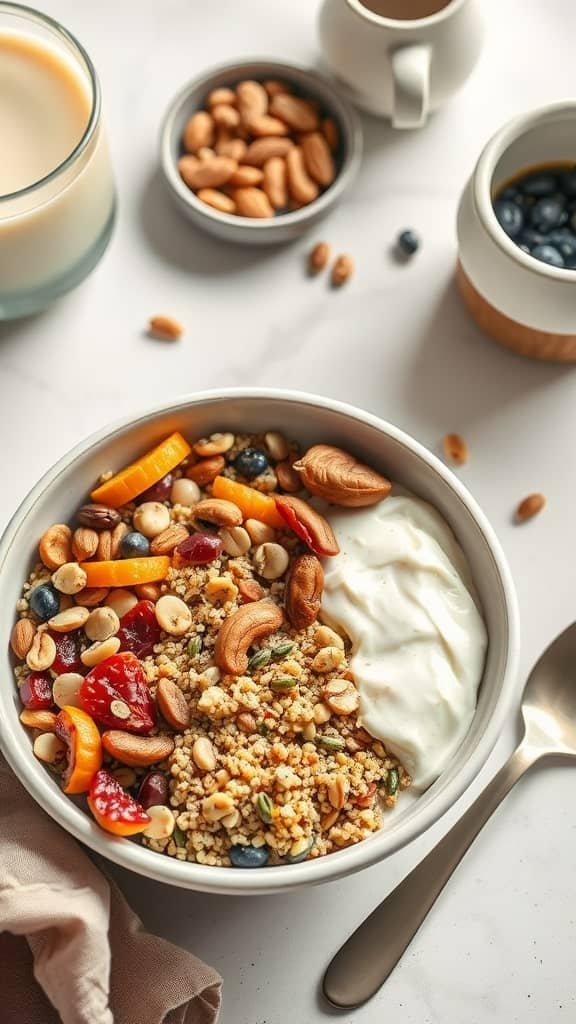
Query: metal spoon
x,y
365,961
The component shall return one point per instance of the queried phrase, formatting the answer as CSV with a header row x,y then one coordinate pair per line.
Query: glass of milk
x,y
57,196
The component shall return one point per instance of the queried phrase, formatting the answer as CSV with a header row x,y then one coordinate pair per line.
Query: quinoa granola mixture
x,y
265,764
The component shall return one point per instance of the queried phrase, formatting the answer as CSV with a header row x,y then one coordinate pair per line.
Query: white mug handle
x,y
411,79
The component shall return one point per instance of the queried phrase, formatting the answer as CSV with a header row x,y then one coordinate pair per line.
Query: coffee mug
x,y
401,58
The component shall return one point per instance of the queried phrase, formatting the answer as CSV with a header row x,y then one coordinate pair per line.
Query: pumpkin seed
x,y
260,658
179,836
330,742
283,683
263,729
281,650
392,781
194,647
265,808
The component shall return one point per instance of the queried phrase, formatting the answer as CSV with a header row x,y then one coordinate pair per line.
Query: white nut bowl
x,y
311,419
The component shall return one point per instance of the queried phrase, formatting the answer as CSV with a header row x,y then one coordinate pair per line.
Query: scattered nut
x,y
530,507
165,542
216,444
71,618
151,518
42,652
206,470
217,512
162,822
48,748
339,478
235,540
69,578
239,631
327,659
21,637
66,689
173,615
203,754
147,592
89,597
341,695
327,637
136,751
455,449
165,328
101,623
184,492
342,271
247,723
338,788
277,445
250,590
118,533
288,477
104,549
173,705
121,601
271,561
319,257
258,532
217,806
99,651
321,713
55,546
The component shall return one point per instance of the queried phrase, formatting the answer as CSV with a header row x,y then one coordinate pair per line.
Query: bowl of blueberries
x,y
517,235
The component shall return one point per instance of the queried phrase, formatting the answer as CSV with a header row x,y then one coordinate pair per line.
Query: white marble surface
x,y
499,947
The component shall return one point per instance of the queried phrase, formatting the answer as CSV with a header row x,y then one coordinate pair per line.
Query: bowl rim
x,y
237,881
341,108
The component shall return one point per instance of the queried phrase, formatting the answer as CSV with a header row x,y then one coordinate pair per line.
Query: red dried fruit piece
x,y
307,524
368,797
36,692
159,491
116,695
139,630
113,807
68,651
200,548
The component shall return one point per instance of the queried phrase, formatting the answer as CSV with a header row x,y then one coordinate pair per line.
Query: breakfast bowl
x,y
286,224
56,498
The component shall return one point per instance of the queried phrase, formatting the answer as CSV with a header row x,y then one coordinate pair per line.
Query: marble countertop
x,y
499,946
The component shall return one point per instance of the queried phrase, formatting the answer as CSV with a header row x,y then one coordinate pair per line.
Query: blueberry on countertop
x,y
548,254
251,462
44,601
509,217
134,545
408,242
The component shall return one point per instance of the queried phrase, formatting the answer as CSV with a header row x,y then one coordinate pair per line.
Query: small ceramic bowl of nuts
x,y
259,151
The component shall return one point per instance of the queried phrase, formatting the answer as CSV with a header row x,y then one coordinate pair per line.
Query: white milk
x,y
49,233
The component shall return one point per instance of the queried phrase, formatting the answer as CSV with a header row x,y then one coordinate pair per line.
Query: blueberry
x,y
249,856
569,182
530,237
548,254
134,545
510,193
539,184
573,221
509,217
548,213
251,462
408,242
45,601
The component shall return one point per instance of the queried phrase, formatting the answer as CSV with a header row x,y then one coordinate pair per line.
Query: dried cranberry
x,y
139,630
36,691
153,790
113,807
68,651
200,548
115,694
159,491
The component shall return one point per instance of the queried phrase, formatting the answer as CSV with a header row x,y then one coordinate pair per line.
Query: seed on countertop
x,y
455,449
530,507
408,242
165,328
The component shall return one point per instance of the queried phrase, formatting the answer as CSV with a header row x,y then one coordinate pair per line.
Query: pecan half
x,y
98,517
304,591
239,631
308,524
165,542
338,477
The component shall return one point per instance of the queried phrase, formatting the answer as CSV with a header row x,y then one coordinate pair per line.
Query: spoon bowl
x,y
549,700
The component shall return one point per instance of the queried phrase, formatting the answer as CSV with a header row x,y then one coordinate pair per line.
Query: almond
x,y
274,182
250,590
318,258
342,270
206,470
273,87
339,478
318,158
136,751
55,546
265,125
252,202
84,543
173,705
169,539
234,148
118,534
217,200
530,507
239,631
165,328
252,99
298,114
225,115
199,131
21,637
330,132
222,95
104,549
209,173
246,175
304,591
308,524
218,512
300,185
261,150
455,449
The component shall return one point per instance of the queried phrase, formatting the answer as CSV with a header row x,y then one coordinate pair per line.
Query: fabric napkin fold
x,y
67,926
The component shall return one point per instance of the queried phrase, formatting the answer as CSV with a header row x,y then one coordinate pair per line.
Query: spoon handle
x,y
364,962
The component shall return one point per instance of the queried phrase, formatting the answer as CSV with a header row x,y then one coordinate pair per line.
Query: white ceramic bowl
x,y
310,419
286,226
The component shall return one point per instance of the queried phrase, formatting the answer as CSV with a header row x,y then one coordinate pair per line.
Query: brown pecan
x,y
239,631
304,591
173,705
98,517
338,477
84,543
54,547
136,751
166,541
308,524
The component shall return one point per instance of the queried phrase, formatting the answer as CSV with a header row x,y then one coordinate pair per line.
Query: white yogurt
x,y
401,590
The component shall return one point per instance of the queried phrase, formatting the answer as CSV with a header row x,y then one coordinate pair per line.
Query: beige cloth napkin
x,y
61,919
